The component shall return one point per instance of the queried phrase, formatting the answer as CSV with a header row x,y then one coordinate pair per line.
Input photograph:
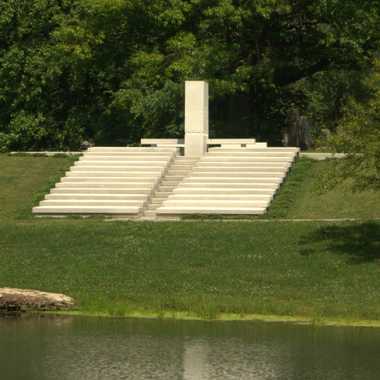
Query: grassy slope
x,y
304,196
25,179
317,270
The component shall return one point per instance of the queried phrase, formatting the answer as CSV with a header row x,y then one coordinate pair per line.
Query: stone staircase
x,y
109,181
231,181
179,168
156,182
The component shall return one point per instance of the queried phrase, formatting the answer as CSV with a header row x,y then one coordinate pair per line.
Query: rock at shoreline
x,y
19,300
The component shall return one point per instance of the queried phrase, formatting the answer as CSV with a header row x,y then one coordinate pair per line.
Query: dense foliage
x,y
113,70
359,136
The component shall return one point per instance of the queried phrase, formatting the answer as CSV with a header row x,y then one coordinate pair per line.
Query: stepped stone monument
x,y
213,176
196,118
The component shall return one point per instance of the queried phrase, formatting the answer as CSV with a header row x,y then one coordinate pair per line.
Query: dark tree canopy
x,y
113,70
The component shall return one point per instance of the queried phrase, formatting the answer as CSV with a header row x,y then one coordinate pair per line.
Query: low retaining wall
x,y
47,153
313,156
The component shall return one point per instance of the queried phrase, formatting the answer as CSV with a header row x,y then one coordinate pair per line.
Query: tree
x,y
358,135
113,70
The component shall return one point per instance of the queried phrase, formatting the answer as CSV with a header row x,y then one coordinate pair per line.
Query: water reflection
x,y
80,348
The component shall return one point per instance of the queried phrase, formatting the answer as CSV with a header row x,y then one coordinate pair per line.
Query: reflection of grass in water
x,y
204,269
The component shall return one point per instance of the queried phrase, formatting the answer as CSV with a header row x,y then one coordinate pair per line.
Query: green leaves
x,y
27,130
358,135
113,70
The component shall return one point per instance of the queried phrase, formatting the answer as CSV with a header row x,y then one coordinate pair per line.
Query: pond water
x,y
91,348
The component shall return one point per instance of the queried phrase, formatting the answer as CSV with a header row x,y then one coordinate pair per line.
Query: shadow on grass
x,y
359,242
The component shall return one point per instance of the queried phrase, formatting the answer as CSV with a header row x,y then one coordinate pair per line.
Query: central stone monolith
x,y
196,118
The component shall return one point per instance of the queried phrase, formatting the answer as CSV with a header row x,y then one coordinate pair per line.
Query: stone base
x,y
195,145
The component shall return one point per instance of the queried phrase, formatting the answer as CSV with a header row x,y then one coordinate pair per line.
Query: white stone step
x,y
230,180
150,213
251,153
110,173
236,172
220,165
124,159
216,203
218,196
258,148
243,140
227,186
185,165
157,200
87,202
86,210
126,154
250,159
232,191
127,180
179,173
168,189
166,183
242,166
241,174
101,190
126,149
182,161
125,163
91,196
173,178
182,166
211,210
91,168
162,194
105,185
153,206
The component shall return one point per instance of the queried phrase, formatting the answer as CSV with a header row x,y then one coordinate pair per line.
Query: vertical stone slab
x,y
196,118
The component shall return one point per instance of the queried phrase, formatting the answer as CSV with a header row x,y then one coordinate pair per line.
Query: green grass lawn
x,y
304,196
24,180
309,269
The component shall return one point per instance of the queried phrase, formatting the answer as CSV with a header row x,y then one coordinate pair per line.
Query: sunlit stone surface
x,y
196,118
